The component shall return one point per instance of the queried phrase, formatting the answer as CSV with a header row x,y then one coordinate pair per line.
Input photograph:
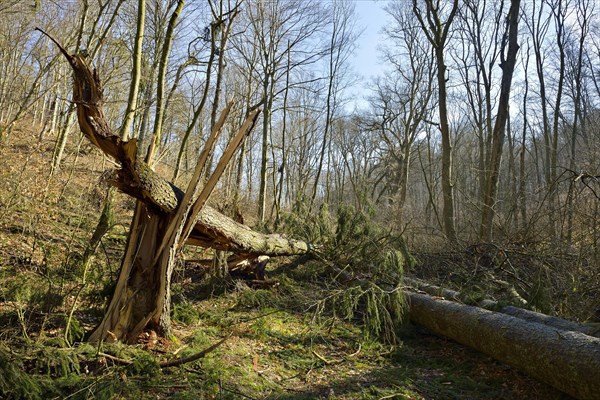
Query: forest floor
x,y
278,346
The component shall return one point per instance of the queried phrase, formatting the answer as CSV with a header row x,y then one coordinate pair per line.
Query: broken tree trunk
x,y
569,361
212,229
141,294
165,217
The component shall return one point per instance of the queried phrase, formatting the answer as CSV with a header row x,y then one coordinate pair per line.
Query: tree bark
x,y
527,315
213,229
142,290
569,361
437,33
499,133
550,321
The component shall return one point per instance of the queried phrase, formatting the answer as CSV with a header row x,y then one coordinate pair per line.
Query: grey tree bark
x,y
507,63
567,360
436,31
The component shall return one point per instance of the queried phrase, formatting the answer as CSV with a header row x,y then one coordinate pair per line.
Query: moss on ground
x,y
281,344
271,352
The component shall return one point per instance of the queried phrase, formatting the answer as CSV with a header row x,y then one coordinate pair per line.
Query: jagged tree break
x,y
165,217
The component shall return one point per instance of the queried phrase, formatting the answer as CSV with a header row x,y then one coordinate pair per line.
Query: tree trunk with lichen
x,y
165,217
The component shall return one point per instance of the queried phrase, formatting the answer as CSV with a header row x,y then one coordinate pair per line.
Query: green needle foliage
x,y
15,383
365,264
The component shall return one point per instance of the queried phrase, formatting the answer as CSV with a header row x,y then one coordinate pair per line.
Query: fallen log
x,y
548,320
527,315
211,229
215,230
432,289
566,360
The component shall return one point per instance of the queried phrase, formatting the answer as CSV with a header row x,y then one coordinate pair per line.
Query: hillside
x,y
280,343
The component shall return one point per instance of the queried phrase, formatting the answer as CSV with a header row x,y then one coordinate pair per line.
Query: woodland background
x,y
315,159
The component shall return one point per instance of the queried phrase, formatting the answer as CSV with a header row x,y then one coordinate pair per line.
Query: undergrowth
x,y
50,369
364,264
322,332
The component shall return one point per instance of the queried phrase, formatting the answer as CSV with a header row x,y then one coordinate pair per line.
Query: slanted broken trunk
x,y
141,299
165,217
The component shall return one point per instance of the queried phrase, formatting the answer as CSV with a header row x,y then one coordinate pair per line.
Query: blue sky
x,y
366,62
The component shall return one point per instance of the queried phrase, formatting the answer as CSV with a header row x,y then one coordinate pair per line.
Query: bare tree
x,y
162,71
278,27
402,101
479,32
341,46
507,64
216,36
136,72
436,30
577,70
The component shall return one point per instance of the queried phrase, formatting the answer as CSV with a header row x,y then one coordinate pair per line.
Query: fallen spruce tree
x,y
567,360
553,350
165,218
550,349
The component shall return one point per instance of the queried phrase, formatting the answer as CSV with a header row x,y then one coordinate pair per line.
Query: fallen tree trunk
x,y
211,229
527,315
215,230
548,320
432,289
569,361
566,360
